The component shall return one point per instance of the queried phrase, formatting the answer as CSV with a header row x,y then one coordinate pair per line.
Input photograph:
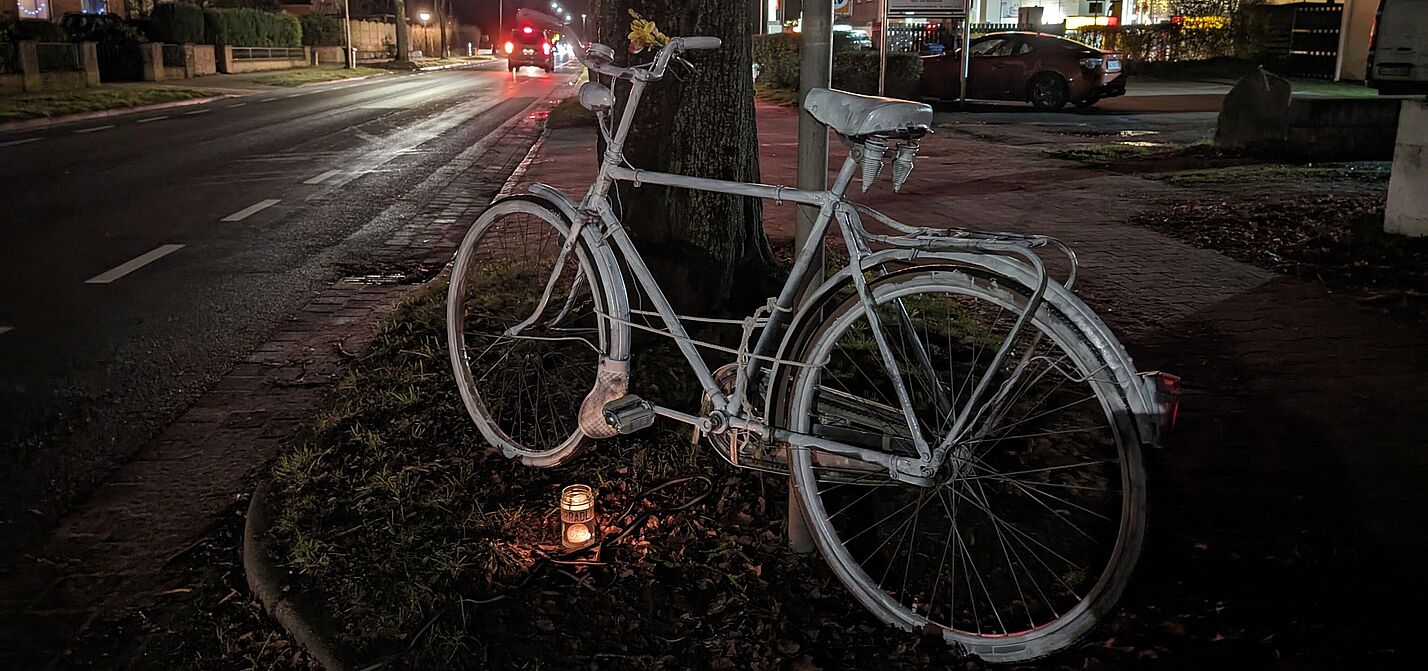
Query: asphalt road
x,y
142,255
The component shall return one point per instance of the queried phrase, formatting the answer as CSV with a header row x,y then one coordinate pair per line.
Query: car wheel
x,y
1087,102
1048,91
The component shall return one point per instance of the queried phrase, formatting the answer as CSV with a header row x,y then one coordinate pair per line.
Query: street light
x,y
425,34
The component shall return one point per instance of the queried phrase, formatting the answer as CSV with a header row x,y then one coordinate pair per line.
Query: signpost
x,y
950,9
934,8
815,71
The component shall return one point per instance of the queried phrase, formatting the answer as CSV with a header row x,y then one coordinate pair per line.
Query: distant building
x,y
52,10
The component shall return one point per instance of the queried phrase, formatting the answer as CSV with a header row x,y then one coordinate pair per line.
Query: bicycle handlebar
x,y
655,71
693,43
601,60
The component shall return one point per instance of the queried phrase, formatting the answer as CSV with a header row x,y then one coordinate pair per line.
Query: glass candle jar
x,y
577,517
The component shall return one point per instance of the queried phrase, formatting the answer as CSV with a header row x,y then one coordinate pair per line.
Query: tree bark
x,y
403,41
708,250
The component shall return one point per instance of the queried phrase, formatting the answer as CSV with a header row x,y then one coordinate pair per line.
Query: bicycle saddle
x,y
856,115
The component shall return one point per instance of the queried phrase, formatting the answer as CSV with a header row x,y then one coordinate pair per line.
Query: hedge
x,y
244,27
43,31
176,23
321,30
853,70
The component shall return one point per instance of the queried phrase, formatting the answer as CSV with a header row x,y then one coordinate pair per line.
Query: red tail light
x,y
510,47
527,29
545,48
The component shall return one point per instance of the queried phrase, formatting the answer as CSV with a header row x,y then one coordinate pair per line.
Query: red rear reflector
x,y
510,47
1167,397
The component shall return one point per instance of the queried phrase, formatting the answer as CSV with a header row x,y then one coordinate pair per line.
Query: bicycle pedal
x,y
629,413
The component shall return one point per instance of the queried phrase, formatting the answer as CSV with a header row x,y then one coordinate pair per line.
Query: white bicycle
x,y
963,433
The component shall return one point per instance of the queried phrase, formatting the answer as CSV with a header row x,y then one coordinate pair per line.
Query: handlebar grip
x,y
692,43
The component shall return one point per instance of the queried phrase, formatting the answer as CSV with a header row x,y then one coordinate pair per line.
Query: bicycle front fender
x,y
607,265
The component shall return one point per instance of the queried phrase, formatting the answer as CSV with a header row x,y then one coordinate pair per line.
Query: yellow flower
x,y
644,33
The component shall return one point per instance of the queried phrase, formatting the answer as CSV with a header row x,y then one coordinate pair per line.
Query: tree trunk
x,y
708,250
403,41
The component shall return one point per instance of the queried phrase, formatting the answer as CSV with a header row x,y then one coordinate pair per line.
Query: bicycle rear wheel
x,y
524,389
1029,532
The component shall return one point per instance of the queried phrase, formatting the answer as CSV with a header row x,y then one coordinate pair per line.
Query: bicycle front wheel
x,y
524,387
1028,533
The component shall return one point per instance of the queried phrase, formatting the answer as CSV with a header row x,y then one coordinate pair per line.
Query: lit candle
x,y
577,516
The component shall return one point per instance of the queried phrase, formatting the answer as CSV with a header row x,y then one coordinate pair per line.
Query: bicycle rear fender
x,y
1143,399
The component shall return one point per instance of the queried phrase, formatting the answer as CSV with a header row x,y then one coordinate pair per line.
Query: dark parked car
x,y
529,45
1044,70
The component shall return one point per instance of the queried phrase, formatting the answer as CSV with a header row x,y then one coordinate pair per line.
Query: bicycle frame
x,y
595,209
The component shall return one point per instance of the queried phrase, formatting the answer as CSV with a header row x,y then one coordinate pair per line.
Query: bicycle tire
x,y
510,273
1086,350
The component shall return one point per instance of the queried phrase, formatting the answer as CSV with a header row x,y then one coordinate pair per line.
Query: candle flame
x,y
577,533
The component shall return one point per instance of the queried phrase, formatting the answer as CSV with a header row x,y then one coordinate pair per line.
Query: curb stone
x,y
46,122
269,582
270,585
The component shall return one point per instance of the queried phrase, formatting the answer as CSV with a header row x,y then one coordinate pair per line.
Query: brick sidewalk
x,y
1288,510
112,552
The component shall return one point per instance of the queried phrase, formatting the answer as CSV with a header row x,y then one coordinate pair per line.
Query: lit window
x,y
33,9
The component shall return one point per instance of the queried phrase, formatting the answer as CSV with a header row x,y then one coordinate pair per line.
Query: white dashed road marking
x,y
197,112
134,264
24,141
236,105
91,130
249,211
152,118
322,178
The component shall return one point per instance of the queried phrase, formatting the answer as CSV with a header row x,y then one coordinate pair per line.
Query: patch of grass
x,y
315,75
430,62
425,543
1335,239
1275,173
569,114
60,103
1328,88
1103,155
776,96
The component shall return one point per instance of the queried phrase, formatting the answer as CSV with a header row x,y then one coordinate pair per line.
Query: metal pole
x,y
347,30
966,52
815,71
883,47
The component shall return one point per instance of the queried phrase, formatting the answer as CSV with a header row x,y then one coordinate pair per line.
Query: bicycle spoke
x,y
1029,505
